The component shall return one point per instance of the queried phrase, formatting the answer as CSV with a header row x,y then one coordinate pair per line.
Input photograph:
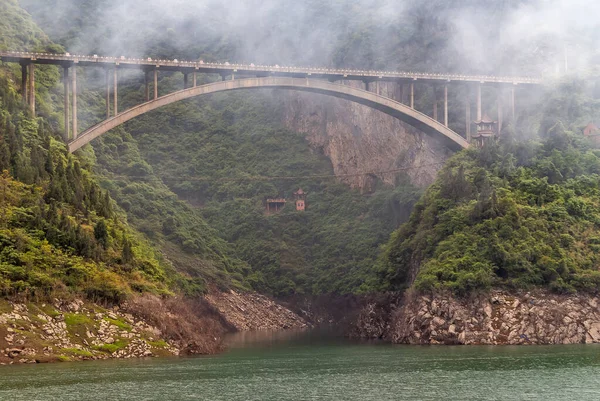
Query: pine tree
x,y
101,233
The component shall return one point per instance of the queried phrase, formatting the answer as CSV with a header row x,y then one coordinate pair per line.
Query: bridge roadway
x,y
228,69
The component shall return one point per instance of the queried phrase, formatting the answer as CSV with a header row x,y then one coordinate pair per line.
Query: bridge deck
x,y
254,70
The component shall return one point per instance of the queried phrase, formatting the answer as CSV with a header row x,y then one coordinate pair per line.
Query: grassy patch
x,y
78,352
158,344
74,319
49,310
111,348
119,323
5,307
63,358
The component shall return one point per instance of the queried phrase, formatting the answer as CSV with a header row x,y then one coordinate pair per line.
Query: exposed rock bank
x,y
75,330
251,311
497,318
145,326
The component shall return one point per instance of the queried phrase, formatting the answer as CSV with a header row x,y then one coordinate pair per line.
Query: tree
x,y
101,233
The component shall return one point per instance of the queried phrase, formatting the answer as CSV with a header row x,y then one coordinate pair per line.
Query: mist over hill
x,y
522,37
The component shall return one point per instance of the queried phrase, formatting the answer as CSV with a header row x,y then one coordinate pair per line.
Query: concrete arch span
x,y
384,104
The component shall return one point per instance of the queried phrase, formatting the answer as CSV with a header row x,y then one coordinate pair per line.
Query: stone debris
x,y
76,330
252,311
496,318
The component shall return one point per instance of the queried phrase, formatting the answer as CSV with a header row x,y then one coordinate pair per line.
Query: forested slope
x,y
60,233
516,214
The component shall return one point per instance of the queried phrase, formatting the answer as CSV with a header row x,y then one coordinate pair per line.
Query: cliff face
x,y
361,140
496,318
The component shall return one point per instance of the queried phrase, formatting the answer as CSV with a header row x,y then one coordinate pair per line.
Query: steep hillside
x,y
219,155
226,155
59,230
514,214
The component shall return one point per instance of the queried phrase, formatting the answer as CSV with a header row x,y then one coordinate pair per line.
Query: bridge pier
x,y
74,96
479,102
107,82
147,85
116,91
65,79
512,103
500,111
412,95
185,80
446,105
24,83
435,103
195,79
155,84
468,114
31,89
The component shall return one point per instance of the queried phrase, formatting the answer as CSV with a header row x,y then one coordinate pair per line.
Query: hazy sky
x,y
478,35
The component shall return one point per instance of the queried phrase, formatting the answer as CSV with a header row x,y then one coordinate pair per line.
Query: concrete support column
x,y
512,103
500,111
65,78
74,95
195,79
412,95
435,104
367,86
377,88
446,105
24,83
478,102
155,84
185,80
107,72
468,114
116,91
147,82
401,92
31,95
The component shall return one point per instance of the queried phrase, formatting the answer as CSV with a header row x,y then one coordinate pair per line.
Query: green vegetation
x,y
119,323
514,214
218,154
77,352
112,348
59,231
158,344
74,319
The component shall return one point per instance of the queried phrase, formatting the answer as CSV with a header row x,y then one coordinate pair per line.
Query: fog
x,y
473,36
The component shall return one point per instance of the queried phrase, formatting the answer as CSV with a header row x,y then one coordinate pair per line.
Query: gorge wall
x,y
359,139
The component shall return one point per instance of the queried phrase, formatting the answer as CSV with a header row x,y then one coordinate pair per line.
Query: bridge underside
x,y
386,105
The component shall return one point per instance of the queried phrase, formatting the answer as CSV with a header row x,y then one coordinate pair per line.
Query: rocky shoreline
x,y
146,326
497,318
67,331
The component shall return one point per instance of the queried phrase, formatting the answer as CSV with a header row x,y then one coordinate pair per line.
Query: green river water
x,y
310,367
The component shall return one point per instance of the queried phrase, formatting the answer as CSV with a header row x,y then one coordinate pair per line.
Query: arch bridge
x,y
244,76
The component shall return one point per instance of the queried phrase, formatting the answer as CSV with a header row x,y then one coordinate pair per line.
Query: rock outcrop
x,y
358,139
497,318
